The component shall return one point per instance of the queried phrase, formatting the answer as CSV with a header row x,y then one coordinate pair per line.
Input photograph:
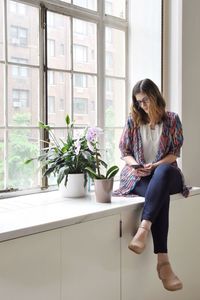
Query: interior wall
x,y
182,77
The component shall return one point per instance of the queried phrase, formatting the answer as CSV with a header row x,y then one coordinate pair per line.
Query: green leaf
x,y
92,174
112,171
44,126
29,160
103,163
67,120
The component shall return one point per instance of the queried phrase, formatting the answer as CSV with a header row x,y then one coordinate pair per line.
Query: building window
x,y
80,27
51,48
80,106
51,104
81,54
20,98
80,80
51,77
19,36
51,19
17,8
109,60
19,71
108,7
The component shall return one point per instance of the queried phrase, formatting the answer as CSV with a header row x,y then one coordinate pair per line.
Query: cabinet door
x,y
138,271
29,267
91,260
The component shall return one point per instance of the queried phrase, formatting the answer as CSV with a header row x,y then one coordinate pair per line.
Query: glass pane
x,y
59,97
23,33
116,8
114,102
2,94
115,52
1,159
2,30
85,99
23,96
84,46
89,4
146,41
22,145
58,41
111,144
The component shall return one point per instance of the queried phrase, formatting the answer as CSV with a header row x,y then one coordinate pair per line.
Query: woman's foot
x,y
170,281
138,242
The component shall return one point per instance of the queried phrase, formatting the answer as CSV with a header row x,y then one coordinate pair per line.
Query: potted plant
x,y
67,160
103,180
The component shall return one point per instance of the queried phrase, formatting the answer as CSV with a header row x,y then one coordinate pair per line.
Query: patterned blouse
x,y
170,142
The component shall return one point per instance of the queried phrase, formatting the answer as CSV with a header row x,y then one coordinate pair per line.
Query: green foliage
x,y
61,158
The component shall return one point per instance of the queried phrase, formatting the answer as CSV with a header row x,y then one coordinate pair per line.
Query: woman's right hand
x,y
141,172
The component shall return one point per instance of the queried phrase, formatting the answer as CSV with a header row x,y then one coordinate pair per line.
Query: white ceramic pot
x,y
74,188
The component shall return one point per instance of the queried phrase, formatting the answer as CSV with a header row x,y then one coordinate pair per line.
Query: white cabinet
x,y
91,260
29,267
78,262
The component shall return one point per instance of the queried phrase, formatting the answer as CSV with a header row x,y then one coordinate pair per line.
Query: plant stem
x,y
98,163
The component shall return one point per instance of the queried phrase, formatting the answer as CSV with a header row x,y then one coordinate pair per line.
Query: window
x,y
51,48
51,104
80,27
20,98
80,80
51,77
19,36
74,82
17,8
80,106
80,54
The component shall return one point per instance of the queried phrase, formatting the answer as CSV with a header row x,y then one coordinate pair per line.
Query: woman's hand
x,y
150,167
141,172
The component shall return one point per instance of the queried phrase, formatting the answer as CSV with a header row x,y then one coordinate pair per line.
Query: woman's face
x,y
143,101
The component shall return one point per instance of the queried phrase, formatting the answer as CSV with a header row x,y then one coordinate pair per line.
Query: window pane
x,y
1,159
115,102
115,52
2,94
23,97
111,144
59,97
89,4
2,29
85,46
22,144
59,41
23,32
85,99
116,8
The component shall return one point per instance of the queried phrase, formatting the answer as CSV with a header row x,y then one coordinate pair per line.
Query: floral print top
x,y
170,142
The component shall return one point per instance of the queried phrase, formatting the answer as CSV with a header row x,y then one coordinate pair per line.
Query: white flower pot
x,y
74,188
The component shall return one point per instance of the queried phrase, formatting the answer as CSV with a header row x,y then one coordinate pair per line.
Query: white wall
x,y
182,77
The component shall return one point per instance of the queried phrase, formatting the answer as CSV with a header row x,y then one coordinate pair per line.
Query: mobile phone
x,y
137,166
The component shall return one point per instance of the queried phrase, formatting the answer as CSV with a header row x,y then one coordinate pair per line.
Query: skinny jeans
x,y
164,181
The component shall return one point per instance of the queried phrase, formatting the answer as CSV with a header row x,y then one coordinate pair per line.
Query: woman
x,y
150,145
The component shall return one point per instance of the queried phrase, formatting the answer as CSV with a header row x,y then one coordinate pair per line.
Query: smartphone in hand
x,y
137,166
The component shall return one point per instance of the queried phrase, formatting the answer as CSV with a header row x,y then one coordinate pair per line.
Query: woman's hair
x,y
157,103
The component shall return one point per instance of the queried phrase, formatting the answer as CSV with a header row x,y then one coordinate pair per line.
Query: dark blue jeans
x,y
164,181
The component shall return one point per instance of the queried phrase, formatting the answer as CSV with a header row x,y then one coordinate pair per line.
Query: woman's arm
x,y
170,158
129,160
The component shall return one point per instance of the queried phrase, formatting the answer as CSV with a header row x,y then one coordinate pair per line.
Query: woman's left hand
x,y
149,167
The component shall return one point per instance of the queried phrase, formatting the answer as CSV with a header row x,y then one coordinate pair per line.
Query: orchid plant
x,y
75,155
